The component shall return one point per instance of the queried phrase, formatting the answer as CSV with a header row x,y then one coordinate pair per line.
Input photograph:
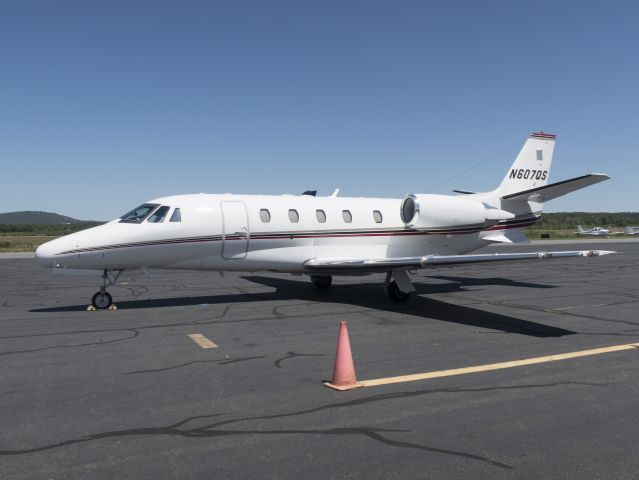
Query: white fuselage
x,y
230,232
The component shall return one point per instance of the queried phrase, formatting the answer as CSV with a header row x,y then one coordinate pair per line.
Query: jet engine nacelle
x,y
426,211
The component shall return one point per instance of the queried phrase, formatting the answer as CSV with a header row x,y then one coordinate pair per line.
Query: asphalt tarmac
x,y
129,394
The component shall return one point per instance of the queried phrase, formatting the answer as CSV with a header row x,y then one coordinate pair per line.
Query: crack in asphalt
x,y
214,429
289,355
218,319
223,361
74,345
206,432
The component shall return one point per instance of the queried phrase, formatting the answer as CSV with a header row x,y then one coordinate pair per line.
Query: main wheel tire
x,y
322,281
396,294
102,300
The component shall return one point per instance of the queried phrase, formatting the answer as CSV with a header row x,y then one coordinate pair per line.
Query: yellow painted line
x,y
497,366
202,341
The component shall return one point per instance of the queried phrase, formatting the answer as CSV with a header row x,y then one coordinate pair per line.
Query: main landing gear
x,y
103,299
322,281
398,286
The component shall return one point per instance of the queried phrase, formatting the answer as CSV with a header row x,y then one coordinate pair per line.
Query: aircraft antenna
x,y
472,167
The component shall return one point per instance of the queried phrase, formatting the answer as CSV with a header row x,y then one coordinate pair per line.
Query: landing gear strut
x,y
103,299
322,281
398,286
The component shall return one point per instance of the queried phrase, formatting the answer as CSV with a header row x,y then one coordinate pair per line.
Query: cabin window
x,y
377,216
159,215
265,215
176,216
293,216
321,216
346,215
137,215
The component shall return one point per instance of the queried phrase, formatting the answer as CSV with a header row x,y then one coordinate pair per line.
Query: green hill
x,y
36,218
41,223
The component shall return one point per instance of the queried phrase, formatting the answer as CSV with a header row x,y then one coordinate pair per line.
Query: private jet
x,y
323,236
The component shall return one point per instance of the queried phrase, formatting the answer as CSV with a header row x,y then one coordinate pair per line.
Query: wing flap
x,y
386,264
362,265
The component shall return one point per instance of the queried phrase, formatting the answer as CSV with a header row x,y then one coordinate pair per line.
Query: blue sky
x,y
104,105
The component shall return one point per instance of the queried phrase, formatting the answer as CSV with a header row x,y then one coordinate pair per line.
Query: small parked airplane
x,y
322,236
631,231
594,232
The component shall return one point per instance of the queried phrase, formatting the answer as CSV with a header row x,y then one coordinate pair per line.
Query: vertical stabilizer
x,y
531,168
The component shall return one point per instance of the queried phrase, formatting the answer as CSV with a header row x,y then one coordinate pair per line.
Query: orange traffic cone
x,y
344,371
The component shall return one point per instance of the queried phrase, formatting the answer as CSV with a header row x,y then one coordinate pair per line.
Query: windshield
x,y
137,215
159,214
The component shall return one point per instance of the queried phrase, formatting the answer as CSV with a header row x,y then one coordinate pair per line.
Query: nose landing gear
x,y
103,299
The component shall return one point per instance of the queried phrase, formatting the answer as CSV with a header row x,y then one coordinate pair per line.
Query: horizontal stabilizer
x,y
555,190
356,265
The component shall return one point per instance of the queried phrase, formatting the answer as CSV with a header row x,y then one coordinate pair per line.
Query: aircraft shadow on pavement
x,y
505,282
367,295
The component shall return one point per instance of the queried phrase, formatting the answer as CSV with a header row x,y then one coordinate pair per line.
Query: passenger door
x,y
236,230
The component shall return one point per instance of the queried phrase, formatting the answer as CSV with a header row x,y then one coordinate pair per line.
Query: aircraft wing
x,y
554,190
383,265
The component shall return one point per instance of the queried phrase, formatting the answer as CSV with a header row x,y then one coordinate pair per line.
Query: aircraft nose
x,y
45,252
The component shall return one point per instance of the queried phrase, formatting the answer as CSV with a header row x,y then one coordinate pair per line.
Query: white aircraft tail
x,y
525,187
531,168
580,229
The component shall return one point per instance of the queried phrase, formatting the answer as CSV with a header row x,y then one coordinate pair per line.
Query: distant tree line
x,y
570,220
52,230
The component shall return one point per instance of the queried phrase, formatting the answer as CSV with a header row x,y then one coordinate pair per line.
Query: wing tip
x,y
598,253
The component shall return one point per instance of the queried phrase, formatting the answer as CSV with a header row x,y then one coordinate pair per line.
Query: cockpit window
x,y
137,215
176,217
159,215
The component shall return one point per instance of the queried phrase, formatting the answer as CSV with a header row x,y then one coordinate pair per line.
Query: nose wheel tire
x,y
102,300
396,295
322,281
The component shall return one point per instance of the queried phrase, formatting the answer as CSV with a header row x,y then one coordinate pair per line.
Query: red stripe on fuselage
x,y
293,235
